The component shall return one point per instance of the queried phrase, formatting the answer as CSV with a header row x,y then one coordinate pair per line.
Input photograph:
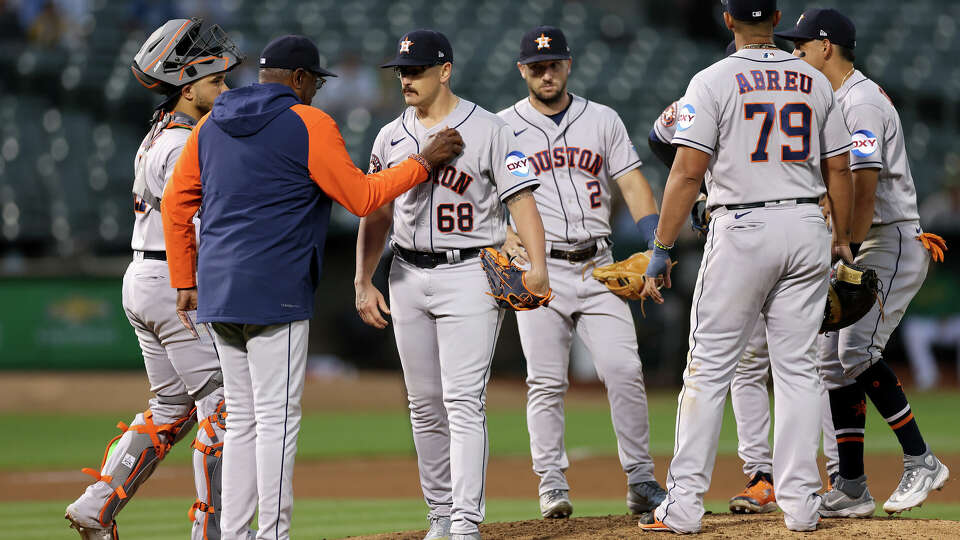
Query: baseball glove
x,y
507,283
625,278
852,292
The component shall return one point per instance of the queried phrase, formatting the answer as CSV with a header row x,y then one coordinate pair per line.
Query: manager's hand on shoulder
x,y
444,146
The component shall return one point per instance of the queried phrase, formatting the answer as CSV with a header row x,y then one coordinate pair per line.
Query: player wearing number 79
x,y
765,124
446,323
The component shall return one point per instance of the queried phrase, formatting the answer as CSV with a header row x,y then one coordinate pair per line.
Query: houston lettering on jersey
x,y
567,156
775,80
450,177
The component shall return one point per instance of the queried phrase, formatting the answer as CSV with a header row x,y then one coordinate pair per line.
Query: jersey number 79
x,y
795,120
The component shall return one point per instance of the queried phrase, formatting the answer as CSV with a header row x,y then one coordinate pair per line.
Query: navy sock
x,y
848,407
883,387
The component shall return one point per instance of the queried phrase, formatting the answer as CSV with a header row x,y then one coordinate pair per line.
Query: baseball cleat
x,y
757,497
439,528
556,504
921,475
644,496
93,533
649,523
471,536
848,499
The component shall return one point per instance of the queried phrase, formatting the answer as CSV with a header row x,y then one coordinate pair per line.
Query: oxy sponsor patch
x,y
686,117
865,143
516,163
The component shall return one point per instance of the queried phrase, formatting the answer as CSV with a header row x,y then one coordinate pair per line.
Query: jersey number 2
x,y
463,220
795,121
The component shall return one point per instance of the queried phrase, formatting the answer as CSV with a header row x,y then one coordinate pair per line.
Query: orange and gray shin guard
x,y
130,458
208,466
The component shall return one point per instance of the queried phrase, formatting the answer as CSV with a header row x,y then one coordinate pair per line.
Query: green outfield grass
x,y
37,439
165,519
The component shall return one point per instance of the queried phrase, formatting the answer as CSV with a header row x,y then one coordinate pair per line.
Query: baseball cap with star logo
x,y
422,48
543,43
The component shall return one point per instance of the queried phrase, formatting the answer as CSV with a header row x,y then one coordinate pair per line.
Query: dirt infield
x,y
714,526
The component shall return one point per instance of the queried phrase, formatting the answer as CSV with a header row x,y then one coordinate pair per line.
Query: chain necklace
x,y
760,46
844,79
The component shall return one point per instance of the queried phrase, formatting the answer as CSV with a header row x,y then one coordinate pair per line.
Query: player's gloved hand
x,y
700,216
537,280
370,303
514,249
187,301
658,274
842,251
444,146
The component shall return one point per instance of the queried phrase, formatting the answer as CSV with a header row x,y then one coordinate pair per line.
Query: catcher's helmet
x,y
179,53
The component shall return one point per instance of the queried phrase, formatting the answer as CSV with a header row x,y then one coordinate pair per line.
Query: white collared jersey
x,y
878,143
461,205
576,161
157,156
767,119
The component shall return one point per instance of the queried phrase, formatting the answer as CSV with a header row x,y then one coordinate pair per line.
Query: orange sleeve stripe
x,y
903,422
850,439
180,202
332,169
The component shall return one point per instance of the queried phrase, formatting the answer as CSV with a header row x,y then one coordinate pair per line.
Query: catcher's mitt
x,y
625,278
507,283
852,292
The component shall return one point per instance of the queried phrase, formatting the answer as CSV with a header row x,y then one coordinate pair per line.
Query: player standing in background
x,y
445,321
748,390
184,373
578,148
266,167
768,252
886,221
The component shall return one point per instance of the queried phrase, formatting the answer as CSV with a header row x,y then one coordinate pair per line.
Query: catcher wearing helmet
x,y
186,63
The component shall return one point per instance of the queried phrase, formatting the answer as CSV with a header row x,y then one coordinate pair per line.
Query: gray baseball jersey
x,y
154,164
578,158
771,126
878,143
460,206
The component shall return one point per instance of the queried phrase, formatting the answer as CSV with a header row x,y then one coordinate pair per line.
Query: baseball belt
x,y
802,200
426,259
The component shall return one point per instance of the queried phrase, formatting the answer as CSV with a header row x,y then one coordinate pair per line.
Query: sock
x,y
848,407
883,387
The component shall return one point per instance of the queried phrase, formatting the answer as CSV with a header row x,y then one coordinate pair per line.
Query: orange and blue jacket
x,y
265,169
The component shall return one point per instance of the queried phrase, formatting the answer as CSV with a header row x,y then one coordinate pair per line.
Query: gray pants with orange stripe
x,y
901,263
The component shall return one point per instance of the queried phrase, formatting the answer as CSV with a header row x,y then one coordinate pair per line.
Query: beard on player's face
x,y
551,96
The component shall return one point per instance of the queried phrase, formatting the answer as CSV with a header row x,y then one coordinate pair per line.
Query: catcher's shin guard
x,y
130,458
208,466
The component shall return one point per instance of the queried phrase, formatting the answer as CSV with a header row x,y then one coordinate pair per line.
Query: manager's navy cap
x,y
422,48
293,52
543,43
823,24
750,10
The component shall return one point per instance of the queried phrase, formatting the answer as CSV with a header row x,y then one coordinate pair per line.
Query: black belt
x,y
426,259
153,255
803,200
574,256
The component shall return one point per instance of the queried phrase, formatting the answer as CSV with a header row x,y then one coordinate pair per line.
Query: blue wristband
x,y
648,228
658,263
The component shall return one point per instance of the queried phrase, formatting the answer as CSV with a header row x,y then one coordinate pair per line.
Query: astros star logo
x,y
543,42
860,409
405,45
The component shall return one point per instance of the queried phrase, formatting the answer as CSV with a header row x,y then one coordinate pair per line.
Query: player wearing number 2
x,y
763,123
579,148
446,323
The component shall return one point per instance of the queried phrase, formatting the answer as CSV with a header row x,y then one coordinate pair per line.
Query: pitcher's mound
x,y
727,526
